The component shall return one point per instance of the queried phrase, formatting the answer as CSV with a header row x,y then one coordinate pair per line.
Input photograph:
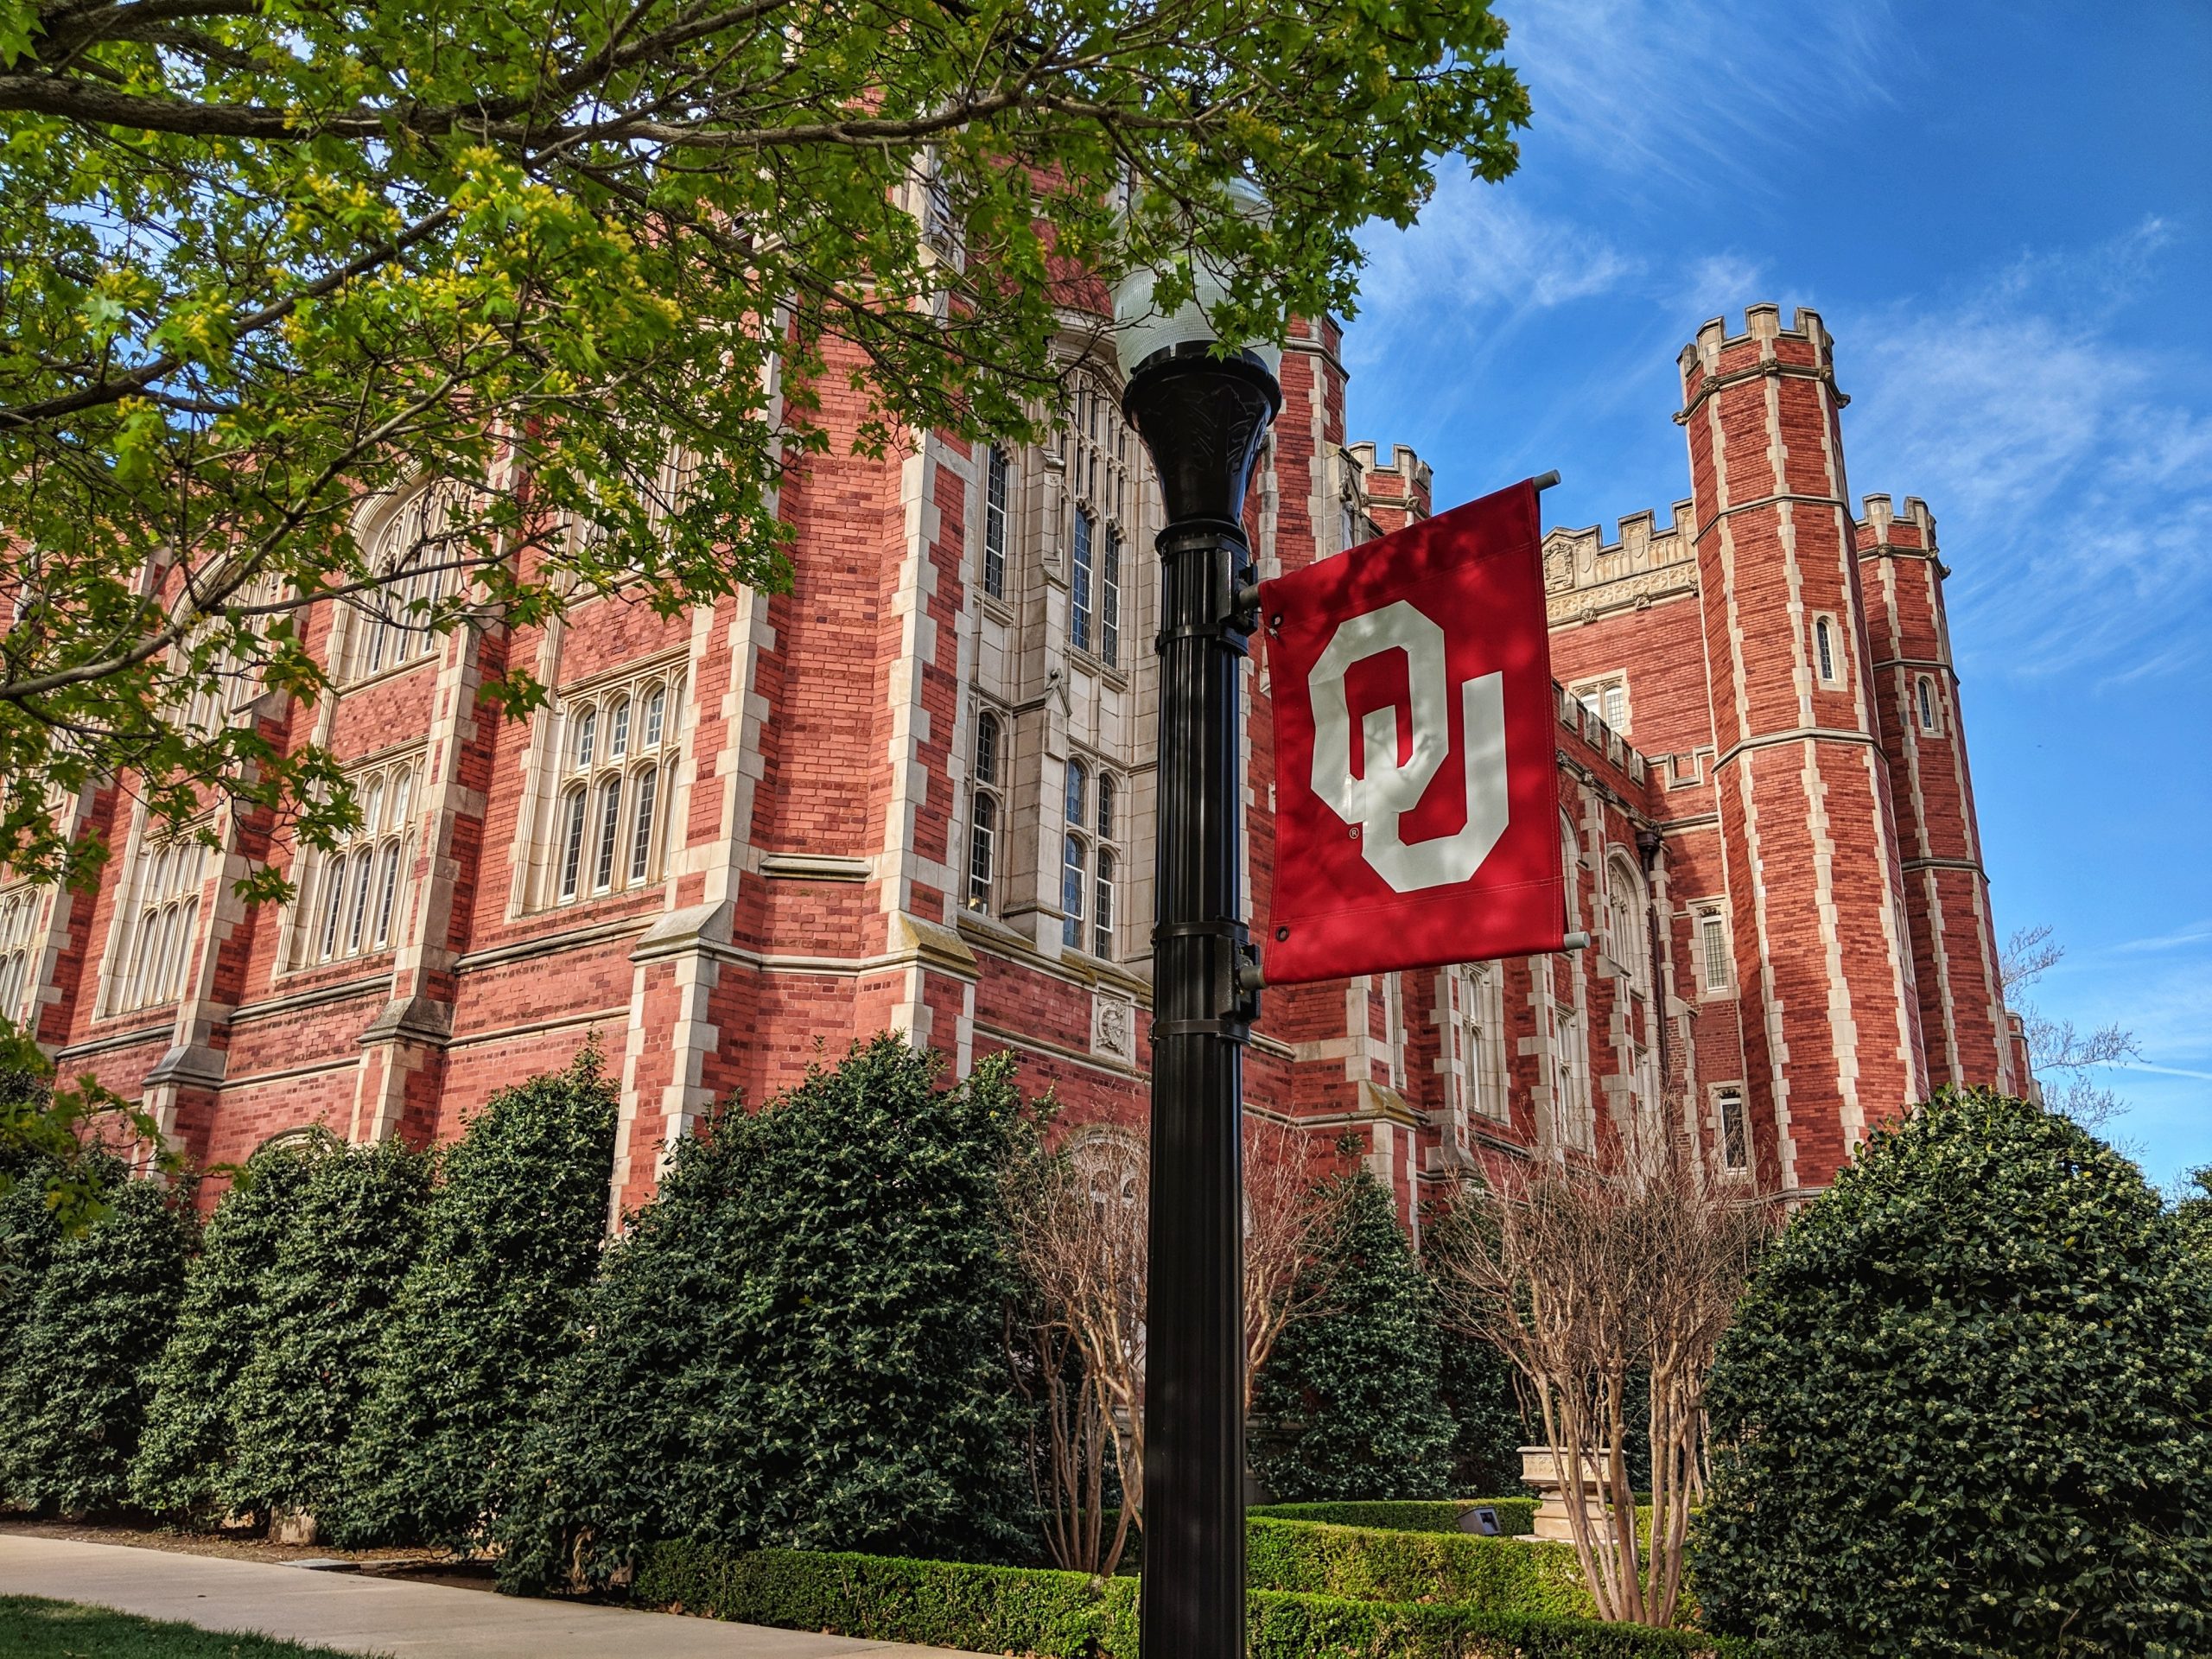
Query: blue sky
x,y
2004,213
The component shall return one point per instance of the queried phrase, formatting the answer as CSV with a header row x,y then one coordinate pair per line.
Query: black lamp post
x,y
1203,417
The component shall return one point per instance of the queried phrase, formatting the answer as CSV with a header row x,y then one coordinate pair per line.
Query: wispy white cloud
x,y
1479,246
1706,93
2072,482
2198,933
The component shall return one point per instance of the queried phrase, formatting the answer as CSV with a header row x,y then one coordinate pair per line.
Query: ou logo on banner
x,y
1385,789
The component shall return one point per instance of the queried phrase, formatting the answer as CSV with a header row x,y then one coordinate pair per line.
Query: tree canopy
x,y
1966,1406
583,274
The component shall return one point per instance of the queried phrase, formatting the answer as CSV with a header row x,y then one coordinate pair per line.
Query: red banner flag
x,y
1416,783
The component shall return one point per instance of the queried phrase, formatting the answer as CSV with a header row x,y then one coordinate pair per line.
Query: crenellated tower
x,y
1832,1035
1923,738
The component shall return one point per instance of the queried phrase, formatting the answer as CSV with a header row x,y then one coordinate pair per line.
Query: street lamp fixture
x,y
1203,410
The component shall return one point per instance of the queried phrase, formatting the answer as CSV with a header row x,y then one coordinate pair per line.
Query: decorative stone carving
x,y
1113,1028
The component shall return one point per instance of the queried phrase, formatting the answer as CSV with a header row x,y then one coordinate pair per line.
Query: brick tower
x,y
1924,735
1832,1021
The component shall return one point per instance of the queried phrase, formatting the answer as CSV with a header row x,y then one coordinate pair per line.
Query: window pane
x,y
360,911
1102,910
1106,805
987,749
1071,885
572,850
1828,649
610,812
1109,599
1735,1140
586,734
995,495
1079,589
982,846
1714,934
618,736
334,905
1615,711
1077,779
656,713
388,891
641,839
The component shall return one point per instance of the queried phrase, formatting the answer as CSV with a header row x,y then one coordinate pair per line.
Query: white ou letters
x,y
1386,790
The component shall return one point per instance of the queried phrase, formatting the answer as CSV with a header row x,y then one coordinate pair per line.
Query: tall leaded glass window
x,y
983,814
1079,585
617,751
994,523
1109,599
352,898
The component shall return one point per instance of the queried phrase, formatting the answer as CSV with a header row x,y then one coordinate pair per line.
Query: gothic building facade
x,y
915,792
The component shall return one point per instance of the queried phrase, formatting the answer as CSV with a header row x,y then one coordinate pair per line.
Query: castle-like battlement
x,y
1402,460
1586,575
1716,357
1880,525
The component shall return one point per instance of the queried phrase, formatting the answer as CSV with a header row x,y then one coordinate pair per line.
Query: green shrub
x,y
185,1453
72,1403
1068,1615
1347,1406
1516,1517
801,1341
1502,1575
1966,1406
1481,1400
328,1294
513,1233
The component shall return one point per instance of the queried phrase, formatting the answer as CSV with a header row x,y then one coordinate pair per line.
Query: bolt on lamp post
x,y
1203,416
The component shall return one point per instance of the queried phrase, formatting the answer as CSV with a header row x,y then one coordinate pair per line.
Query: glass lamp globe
x,y
1142,331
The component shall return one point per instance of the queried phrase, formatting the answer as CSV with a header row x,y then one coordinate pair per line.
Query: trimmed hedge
x,y
1070,1615
1516,1517
1499,1575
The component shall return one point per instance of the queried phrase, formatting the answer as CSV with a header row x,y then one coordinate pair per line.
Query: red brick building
x,y
915,792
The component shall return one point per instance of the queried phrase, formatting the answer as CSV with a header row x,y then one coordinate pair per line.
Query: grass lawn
x,y
31,1627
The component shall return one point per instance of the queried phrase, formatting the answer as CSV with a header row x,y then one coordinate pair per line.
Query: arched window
x,y
1097,450
983,814
18,916
572,843
1570,857
1570,1079
1624,921
163,914
353,898
1482,1040
409,551
610,821
1924,693
1824,648
644,788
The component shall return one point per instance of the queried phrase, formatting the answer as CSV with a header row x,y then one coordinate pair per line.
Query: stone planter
x,y
1542,1467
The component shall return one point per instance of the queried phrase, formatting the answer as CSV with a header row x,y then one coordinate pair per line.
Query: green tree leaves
x,y
1348,1407
514,1234
272,266
801,1340
184,1459
72,1404
326,1300
1967,1406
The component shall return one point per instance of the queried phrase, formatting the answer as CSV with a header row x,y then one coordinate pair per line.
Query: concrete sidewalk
x,y
361,1614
